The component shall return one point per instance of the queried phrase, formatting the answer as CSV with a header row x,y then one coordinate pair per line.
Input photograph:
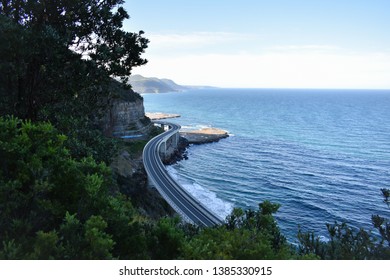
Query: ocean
x,y
323,155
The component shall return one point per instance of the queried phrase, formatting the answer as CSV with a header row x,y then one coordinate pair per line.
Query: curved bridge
x,y
184,204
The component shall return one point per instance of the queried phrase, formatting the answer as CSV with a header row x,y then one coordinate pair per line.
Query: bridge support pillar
x,y
177,137
163,150
168,146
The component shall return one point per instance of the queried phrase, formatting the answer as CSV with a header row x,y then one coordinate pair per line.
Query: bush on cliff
x,y
245,235
53,206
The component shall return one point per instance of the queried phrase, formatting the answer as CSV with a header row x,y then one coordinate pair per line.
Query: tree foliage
x,y
245,235
57,63
59,56
58,200
51,205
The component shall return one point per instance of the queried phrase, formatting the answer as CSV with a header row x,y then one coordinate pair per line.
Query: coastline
x,y
193,136
160,116
188,137
204,135
273,157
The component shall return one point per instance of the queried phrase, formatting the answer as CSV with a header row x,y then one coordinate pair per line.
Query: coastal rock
x,y
161,116
180,152
124,115
201,136
204,135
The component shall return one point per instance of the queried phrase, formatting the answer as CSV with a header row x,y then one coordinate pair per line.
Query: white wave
x,y
323,238
188,127
201,126
208,198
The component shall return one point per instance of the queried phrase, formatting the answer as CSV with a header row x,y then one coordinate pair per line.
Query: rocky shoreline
x,y
160,116
130,174
204,135
195,136
188,137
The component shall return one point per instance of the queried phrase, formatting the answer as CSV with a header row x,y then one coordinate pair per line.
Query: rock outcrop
x,y
204,135
161,116
125,114
128,118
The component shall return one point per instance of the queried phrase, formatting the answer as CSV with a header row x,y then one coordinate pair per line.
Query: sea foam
x,y
206,197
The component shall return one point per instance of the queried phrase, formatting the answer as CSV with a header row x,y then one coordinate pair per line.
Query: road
x,y
180,200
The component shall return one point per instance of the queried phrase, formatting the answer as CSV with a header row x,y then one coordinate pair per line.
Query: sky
x,y
265,43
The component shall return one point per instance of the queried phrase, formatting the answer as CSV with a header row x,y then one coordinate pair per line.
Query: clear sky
x,y
266,43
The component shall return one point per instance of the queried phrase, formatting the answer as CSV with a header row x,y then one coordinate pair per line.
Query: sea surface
x,y
323,155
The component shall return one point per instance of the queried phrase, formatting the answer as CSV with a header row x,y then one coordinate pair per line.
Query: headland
x,y
204,135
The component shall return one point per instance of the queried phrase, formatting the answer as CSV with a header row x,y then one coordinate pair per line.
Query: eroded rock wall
x,y
125,118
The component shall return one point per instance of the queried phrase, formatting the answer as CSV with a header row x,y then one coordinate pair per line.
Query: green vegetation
x,y
245,235
51,205
58,56
57,63
59,198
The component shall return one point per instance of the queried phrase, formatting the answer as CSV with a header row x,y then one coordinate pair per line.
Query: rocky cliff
x,y
125,114
128,118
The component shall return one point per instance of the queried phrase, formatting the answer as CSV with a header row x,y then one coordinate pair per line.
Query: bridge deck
x,y
184,203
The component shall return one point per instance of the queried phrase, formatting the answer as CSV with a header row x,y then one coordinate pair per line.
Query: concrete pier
x,y
168,145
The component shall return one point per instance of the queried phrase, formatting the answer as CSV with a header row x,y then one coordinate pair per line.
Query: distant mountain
x,y
142,84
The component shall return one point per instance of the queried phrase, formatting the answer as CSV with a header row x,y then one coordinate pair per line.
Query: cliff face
x,y
125,115
128,118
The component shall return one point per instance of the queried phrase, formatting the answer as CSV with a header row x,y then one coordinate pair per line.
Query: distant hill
x,y
142,84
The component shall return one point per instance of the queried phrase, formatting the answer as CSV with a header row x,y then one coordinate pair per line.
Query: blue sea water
x,y
323,155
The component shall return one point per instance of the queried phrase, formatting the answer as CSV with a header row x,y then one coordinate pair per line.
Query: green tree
x,y
166,239
245,235
57,63
59,56
382,224
53,206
